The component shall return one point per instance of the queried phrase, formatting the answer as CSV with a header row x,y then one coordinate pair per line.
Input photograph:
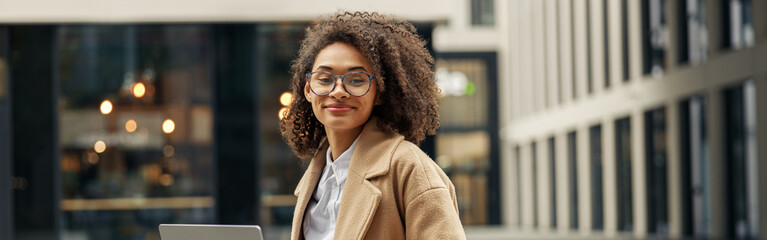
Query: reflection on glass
x,y
656,171
119,178
463,143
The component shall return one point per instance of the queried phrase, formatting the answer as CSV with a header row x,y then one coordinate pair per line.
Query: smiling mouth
x,y
338,108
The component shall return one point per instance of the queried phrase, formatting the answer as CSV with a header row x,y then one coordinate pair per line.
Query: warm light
x,y
286,98
106,107
283,113
168,126
100,147
166,179
93,158
130,126
168,151
138,90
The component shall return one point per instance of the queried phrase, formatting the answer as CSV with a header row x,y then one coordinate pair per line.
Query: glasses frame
x,y
335,82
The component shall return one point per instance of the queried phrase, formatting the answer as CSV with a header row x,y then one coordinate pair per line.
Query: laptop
x,y
210,232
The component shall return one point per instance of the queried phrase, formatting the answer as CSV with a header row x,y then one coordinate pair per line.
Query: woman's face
x,y
340,110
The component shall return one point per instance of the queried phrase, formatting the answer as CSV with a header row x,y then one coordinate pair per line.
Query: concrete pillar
x,y
714,130
597,46
566,57
674,170
610,189
584,179
614,21
638,172
581,47
552,71
672,28
563,186
544,185
635,40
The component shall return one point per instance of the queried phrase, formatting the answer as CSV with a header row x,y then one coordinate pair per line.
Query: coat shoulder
x,y
411,164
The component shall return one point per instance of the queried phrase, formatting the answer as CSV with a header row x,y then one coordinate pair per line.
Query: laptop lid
x,y
209,232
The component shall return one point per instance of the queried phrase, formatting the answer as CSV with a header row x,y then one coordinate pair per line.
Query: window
x,y
693,35
595,149
518,164
654,37
553,181
624,174
467,142
740,169
696,186
656,171
572,168
482,13
737,24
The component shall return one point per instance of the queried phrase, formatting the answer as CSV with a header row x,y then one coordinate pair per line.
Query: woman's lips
x,y
338,108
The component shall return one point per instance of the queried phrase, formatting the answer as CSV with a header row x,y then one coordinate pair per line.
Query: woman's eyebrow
x,y
358,68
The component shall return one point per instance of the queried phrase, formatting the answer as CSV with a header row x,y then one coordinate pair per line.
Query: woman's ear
x,y
308,93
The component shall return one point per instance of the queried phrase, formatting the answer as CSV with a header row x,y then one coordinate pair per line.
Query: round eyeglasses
x,y
355,83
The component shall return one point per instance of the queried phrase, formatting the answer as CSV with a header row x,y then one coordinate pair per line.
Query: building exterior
x,y
116,117
634,118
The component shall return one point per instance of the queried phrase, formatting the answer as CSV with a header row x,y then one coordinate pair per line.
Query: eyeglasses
x,y
355,83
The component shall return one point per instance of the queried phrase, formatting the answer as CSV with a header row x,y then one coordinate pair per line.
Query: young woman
x,y
364,97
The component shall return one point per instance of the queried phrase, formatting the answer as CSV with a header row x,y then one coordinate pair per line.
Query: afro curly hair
x,y
402,65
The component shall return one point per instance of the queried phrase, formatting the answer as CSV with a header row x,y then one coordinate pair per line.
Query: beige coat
x,y
393,191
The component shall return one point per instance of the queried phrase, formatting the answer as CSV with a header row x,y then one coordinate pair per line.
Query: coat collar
x,y
360,198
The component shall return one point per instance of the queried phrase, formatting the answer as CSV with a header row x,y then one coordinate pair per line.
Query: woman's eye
x,y
325,80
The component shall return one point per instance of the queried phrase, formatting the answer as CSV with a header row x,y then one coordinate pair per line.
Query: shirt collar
x,y
340,166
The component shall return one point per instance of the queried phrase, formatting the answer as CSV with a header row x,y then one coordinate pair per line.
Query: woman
x,y
364,96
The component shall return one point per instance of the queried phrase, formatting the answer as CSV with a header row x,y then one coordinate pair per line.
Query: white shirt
x,y
322,211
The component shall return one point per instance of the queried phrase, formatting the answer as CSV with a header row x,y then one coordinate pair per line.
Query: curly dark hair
x,y
403,67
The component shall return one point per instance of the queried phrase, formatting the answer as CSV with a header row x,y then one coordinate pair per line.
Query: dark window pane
x,y
624,174
654,37
572,168
482,13
553,181
595,149
534,187
656,171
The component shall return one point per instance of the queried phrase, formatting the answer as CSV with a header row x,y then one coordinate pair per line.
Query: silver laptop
x,y
210,232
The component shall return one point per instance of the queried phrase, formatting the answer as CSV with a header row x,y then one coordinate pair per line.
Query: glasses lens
x,y
357,83
321,82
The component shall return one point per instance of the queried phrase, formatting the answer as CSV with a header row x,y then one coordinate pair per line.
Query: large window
x,y
737,24
693,35
654,37
135,128
534,181
595,150
740,163
482,13
467,142
656,171
695,177
624,175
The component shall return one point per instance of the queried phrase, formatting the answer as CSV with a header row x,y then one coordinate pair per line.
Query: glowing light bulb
x,y
168,126
106,107
100,146
130,126
286,98
139,90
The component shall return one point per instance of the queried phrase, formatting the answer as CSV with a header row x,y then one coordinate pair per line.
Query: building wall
x,y
551,97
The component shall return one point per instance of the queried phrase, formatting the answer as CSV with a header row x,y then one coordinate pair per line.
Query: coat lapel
x,y
360,197
305,189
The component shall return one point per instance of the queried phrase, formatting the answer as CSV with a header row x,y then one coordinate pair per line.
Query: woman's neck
x,y
341,140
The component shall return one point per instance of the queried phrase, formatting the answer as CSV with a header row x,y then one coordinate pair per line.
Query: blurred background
x,y
561,119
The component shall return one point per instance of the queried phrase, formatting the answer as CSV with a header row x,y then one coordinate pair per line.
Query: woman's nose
x,y
339,92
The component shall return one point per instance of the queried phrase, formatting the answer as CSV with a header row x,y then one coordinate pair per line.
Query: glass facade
x,y
737,24
553,182
118,128
482,13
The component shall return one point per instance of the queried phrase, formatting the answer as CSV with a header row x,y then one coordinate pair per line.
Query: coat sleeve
x,y
433,215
